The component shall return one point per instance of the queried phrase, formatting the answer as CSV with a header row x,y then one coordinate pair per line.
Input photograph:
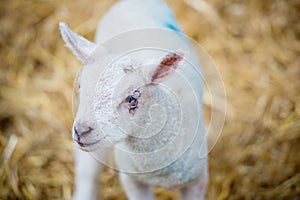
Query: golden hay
x,y
255,45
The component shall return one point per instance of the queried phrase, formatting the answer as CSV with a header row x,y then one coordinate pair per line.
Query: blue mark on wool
x,y
172,27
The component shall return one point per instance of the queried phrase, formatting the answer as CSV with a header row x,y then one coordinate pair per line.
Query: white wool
x,y
163,142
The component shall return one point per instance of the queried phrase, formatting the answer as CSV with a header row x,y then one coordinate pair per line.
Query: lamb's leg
x,y
87,171
135,190
195,190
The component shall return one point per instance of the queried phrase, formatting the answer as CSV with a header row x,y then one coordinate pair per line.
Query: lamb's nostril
x,y
88,131
80,132
76,135
75,131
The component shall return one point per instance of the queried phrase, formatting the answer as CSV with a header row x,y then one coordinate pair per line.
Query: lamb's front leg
x,y
135,190
195,190
87,171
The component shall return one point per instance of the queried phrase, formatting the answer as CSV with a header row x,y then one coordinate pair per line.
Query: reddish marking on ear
x,y
167,66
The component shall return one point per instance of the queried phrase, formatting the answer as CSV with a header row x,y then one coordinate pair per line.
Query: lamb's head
x,y
115,99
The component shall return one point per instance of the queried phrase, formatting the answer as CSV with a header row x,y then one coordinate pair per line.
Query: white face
x,y
107,98
114,100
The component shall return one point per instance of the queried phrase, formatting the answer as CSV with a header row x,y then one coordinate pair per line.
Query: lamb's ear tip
x,y
62,25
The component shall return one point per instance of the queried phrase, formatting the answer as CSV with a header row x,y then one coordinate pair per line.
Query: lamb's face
x,y
108,99
114,100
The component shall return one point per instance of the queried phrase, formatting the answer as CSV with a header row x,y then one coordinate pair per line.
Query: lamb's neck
x,y
150,144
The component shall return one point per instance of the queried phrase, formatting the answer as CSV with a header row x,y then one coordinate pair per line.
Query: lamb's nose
x,y
81,131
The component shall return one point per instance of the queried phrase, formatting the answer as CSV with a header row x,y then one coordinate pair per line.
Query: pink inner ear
x,y
167,66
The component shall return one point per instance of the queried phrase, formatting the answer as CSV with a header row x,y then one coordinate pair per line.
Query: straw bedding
x,y
255,45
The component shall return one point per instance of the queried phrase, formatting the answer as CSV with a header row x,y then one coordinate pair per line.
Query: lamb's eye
x,y
131,99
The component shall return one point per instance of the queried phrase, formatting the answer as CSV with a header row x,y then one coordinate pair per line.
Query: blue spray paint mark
x,y
172,27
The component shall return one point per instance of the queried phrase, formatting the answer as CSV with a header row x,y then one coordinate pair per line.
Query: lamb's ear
x,y
80,46
166,66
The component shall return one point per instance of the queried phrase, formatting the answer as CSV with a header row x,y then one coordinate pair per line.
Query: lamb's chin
x,y
93,146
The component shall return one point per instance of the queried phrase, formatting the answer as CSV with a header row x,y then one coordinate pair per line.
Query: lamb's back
x,y
135,14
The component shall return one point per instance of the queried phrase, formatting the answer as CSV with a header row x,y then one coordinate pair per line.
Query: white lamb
x,y
146,104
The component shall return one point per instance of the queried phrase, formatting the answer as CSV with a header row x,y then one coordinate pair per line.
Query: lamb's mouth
x,y
88,146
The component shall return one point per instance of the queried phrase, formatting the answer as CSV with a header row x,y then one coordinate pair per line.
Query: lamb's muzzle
x,y
82,132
